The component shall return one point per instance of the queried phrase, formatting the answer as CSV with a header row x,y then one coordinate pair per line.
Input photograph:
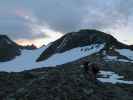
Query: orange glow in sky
x,y
37,42
24,42
40,41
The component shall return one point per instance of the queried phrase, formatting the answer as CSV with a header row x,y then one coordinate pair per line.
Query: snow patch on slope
x,y
112,77
71,55
107,57
115,58
28,58
126,52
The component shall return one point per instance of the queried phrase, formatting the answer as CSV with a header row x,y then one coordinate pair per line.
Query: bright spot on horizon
x,y
52,36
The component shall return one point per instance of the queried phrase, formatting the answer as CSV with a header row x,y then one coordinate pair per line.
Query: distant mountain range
x,y
71,47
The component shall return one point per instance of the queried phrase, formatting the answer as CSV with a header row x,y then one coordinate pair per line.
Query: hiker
x,y
90,70
93,69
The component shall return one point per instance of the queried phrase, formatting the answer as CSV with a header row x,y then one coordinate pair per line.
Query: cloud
x,y
28,19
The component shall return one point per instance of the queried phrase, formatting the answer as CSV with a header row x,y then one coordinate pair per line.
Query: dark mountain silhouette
x,y
9,49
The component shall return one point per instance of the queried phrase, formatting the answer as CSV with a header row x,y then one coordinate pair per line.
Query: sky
x,y
43,21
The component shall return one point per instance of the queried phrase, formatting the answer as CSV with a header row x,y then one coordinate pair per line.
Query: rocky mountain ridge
x,y
80,39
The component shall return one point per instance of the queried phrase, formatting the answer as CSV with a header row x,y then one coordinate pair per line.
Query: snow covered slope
x,y
126,52
112,77
27,60
71,55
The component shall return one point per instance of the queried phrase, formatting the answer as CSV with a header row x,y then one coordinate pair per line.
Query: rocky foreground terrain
x,y
65,82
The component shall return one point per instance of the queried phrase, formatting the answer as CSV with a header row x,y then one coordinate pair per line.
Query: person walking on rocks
x,y
91,70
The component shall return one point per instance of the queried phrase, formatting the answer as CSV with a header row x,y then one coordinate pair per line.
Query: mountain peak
x,y
94,36
5,40
81,38
8,48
